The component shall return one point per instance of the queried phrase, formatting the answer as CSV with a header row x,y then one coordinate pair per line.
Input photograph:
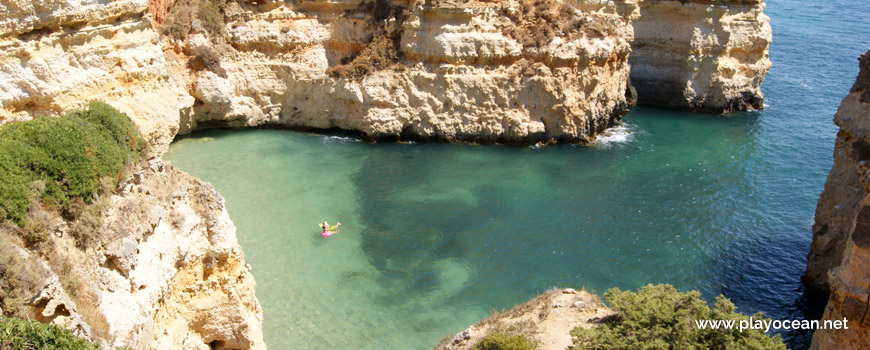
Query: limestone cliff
x,y
462,70
167,271
58,55
161,270
840,252
704,55
174,275
473,70
508,70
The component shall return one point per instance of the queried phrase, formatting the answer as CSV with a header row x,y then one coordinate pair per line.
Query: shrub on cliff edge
x,y
65,156
20,334
660,317
501,341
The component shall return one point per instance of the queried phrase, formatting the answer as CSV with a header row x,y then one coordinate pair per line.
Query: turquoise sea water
x,y
436,236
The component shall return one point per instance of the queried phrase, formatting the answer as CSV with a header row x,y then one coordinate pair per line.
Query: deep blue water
x,y
436,236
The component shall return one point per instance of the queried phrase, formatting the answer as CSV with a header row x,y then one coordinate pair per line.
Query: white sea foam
x,y
339,139
615,135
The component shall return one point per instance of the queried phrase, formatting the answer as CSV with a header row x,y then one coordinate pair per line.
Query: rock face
x,y
840,252
460,75
547,319
508,71
163,270
703,55
174,275
58,55
168,272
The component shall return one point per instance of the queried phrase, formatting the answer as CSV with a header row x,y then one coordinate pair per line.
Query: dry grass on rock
x,y
538,22
19,279
379,54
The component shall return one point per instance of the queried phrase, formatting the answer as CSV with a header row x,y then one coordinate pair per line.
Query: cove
x,y
436,236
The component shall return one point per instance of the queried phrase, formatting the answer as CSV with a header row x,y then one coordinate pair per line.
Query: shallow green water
x,y
436,236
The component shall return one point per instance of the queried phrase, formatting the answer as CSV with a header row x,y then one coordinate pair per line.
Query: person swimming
x,y
328,230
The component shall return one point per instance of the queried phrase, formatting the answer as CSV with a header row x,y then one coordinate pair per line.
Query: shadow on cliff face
x,y
672,66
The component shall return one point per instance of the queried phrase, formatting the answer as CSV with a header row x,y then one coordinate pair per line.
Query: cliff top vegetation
x,y
60,161
56,175
660,317
20,334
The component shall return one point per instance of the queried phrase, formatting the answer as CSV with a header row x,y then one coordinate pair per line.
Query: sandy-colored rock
x,y
174,275
162,270
840,253
52,304
19,17
56,56
703,55
461,77
547,319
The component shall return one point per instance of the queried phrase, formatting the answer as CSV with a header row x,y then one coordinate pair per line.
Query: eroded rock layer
x,y
58,55
161,270
840,254
507,70
174,276
461,72
547,319
704,55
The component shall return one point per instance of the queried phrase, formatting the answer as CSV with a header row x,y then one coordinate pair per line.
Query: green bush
x,y
20,334
660,317
501,341
68,155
